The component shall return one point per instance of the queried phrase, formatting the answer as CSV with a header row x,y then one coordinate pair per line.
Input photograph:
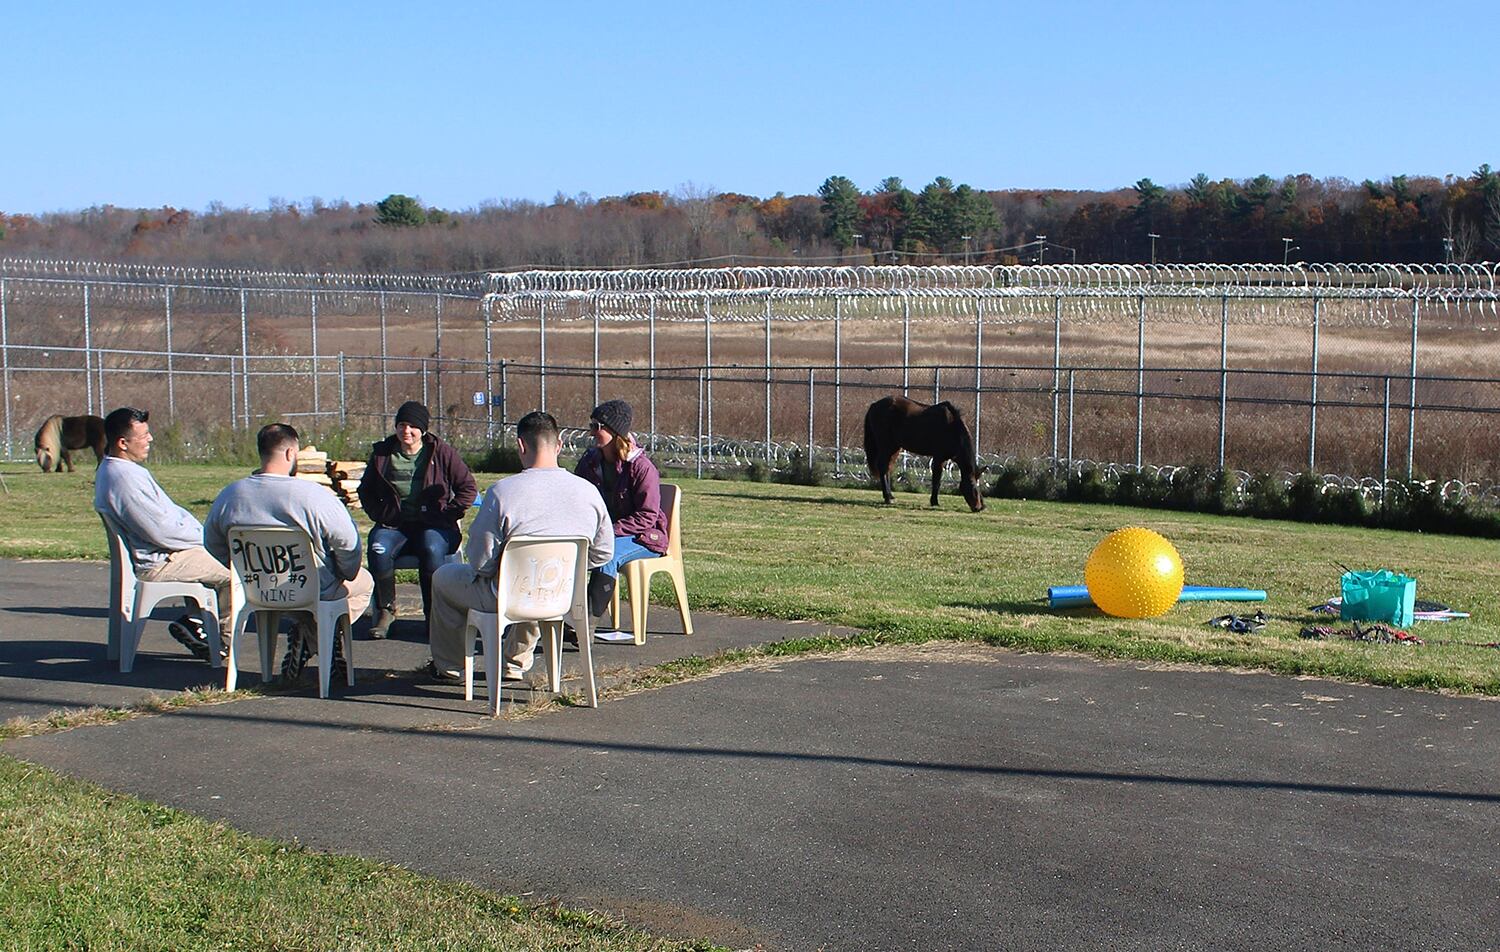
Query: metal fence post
x,y
88,346
769,459
700,425
438,353
317,406
1312,419
651,365
1140,379
1223,374
1411,419
1385,443
425,401
385,374
171,381
978,368
541,328
343,403
906,345
937,384
489,405
244,362
1056,368
708,375
596,353
234,405
838,386
5,370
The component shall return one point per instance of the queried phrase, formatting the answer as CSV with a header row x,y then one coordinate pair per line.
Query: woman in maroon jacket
x,y
631,487
416,488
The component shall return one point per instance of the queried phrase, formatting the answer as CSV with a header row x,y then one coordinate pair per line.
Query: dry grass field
x,y
1267,417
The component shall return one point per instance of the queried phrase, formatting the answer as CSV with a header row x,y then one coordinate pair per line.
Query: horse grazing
x,y
60,436
896,423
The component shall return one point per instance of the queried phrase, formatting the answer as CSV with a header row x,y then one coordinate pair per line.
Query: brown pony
x,y
896,423
60,436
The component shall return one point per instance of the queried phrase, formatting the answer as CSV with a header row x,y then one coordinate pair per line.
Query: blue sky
x,y
149,104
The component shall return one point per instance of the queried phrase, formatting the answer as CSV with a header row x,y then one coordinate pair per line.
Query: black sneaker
x,y
188,631
298,649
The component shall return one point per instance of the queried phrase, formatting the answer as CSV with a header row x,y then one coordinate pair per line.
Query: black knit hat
x,y
614,415
415,414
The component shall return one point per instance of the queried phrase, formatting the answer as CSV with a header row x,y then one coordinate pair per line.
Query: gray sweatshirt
x,y
548,502
262,499
154,525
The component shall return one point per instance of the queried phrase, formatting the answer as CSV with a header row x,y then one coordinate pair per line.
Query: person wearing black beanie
x,y
416,489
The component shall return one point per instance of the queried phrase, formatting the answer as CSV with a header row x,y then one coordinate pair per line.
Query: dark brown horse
x,y
60,436
893,424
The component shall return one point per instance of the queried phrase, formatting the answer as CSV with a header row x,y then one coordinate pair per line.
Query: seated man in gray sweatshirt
x,y
165,540
543,500
272,497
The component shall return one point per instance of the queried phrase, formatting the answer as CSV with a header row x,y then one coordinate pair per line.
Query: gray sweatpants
x,y
455,590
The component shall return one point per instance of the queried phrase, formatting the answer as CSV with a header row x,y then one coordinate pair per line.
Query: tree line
x,y
1262,219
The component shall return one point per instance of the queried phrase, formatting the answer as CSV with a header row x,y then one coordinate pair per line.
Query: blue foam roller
x,y
1077,596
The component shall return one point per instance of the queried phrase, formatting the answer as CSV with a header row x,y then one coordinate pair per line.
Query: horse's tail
x,y
48,443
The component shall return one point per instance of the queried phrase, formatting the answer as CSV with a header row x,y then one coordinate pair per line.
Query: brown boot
x,y
385,605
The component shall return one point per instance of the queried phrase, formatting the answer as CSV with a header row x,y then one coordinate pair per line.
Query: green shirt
x,y
406,477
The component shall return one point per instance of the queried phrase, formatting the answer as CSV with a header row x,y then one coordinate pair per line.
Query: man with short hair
x,y
543,500
270,496
165,540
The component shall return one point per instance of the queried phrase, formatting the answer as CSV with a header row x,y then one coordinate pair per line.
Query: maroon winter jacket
x,y
635,503
447,485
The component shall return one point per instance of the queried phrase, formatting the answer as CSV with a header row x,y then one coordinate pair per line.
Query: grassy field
x,y
907,573
87,868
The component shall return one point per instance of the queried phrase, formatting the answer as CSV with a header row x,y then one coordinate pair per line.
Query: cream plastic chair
x,y
541,580
132,599
275,572
637,574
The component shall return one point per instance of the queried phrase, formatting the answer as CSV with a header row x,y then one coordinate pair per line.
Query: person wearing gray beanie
x,y
631,487
416,489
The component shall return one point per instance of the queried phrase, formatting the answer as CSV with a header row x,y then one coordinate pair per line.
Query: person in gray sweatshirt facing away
x,y
541,500
165,540
270,496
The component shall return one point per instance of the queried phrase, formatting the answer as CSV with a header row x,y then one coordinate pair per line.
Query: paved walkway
x,y
937,798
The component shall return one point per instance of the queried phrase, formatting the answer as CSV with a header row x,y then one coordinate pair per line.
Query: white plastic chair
x,y
541,580
637,573
275,572
131,600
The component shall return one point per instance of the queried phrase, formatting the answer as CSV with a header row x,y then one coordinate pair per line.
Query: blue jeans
x,y
626,550
430,546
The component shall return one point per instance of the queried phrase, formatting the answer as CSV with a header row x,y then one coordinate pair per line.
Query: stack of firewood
x,y
344,476
312,465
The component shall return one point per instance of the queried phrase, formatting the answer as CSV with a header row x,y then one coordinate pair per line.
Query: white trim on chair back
x,y
274,568
539,577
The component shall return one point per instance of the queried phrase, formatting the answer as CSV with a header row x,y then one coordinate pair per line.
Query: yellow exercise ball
x,y
1134,573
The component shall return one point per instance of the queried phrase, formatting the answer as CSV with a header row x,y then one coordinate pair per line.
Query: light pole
x,y
1447,250
1287,249
1041,254
856,236
967,239
1153,236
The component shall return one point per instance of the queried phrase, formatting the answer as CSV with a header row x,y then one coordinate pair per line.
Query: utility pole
x,y
856,236
1447,250
1153,236
967,239
1041,252
1286,250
